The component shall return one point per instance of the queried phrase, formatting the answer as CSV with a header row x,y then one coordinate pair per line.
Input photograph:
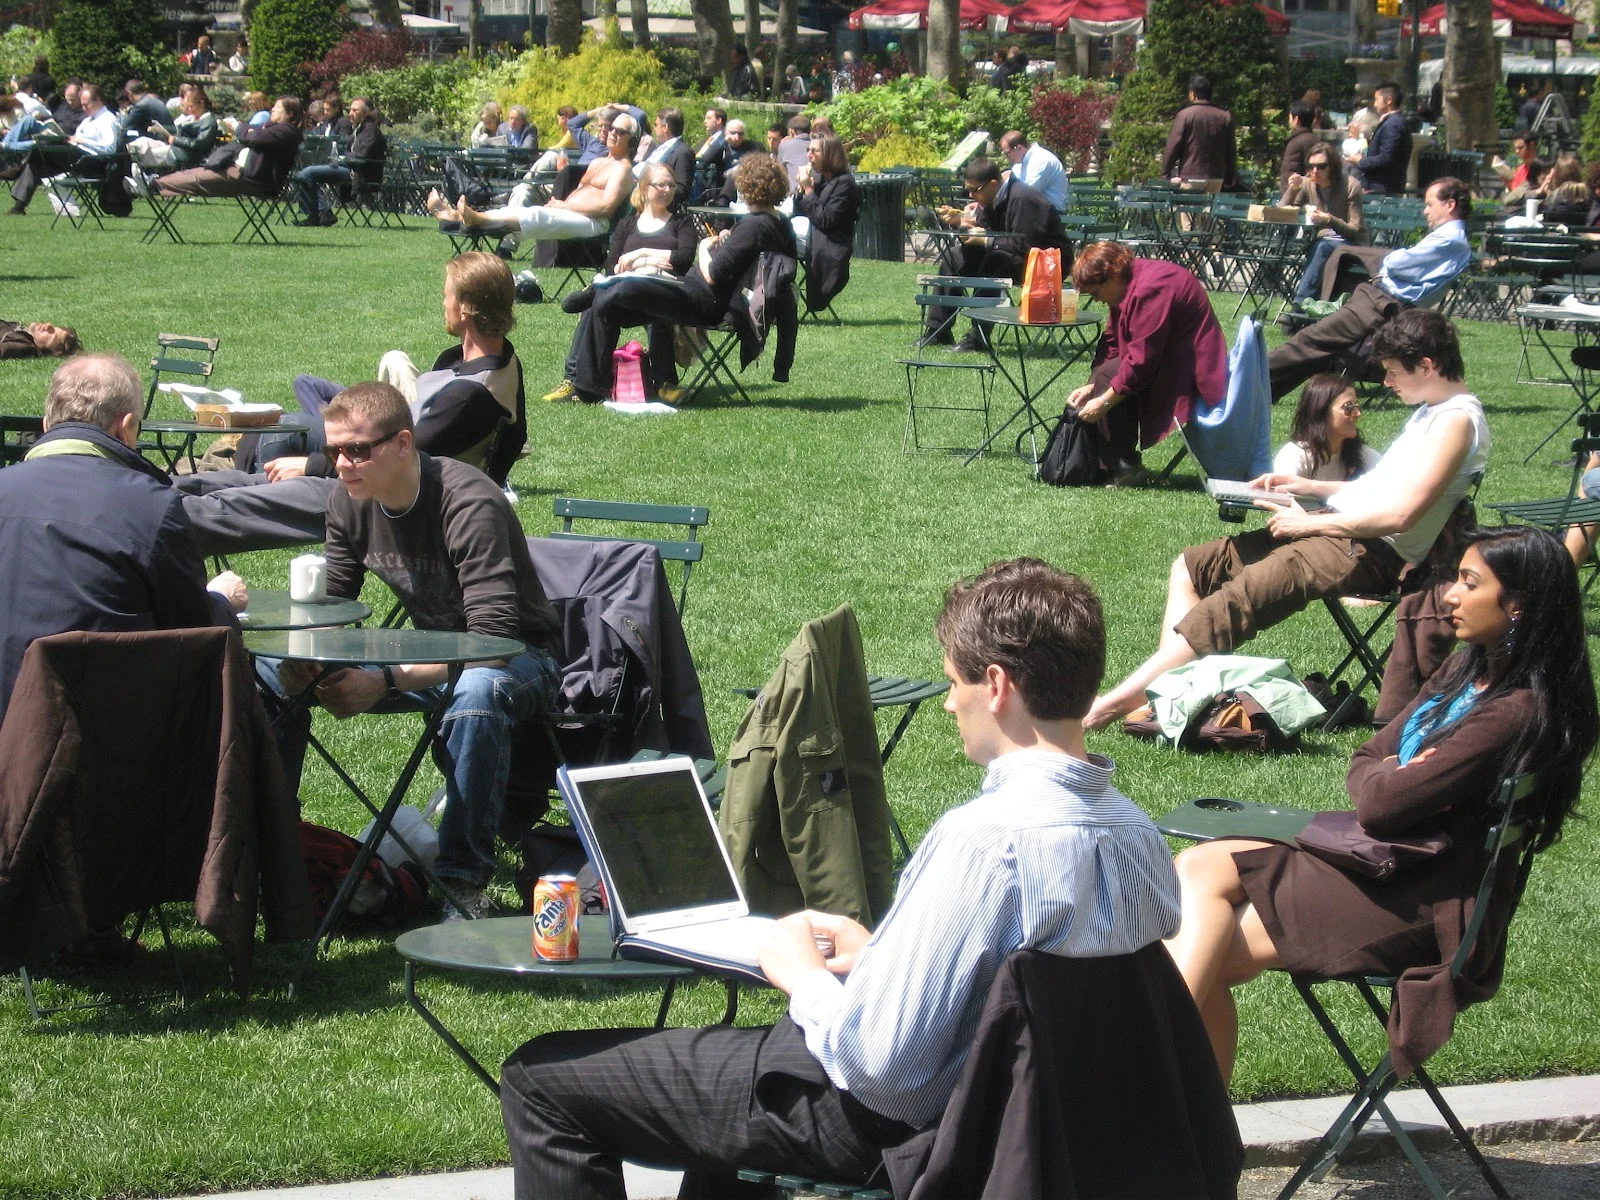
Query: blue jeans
x,y
472,751
312,394
311,194
17,137
1311,280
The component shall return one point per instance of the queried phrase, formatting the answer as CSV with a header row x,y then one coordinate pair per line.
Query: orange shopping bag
x,y
1041,288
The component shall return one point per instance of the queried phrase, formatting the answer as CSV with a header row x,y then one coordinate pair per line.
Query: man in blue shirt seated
x,y
1413,277
1049,856
1035,166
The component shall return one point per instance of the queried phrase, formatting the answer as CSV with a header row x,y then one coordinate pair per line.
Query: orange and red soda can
x,y
555,918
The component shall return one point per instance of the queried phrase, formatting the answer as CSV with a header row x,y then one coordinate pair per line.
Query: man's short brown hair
x,y
1041,624
485,290
378,404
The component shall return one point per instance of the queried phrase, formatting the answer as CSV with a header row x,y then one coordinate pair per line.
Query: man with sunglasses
x,y
996,206
444,537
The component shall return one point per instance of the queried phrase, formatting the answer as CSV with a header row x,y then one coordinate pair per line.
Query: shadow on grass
x,y
35,278
362,976
849,404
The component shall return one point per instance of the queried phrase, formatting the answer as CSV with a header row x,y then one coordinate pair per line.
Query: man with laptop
x,y
1049,856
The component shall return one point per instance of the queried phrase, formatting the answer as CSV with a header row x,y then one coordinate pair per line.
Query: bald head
x,y
96,389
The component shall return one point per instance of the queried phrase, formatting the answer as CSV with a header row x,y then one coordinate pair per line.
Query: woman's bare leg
x,y
1220,942
1172,651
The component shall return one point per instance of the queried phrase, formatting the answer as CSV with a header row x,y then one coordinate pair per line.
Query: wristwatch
x,y
392,692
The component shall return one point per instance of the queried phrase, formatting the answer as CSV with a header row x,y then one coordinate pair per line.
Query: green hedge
x,y
285,35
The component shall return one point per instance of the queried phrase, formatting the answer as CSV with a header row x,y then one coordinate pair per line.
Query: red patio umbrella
x,y
1101,18
913,14
1512,19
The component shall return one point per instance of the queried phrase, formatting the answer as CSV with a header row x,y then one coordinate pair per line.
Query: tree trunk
x,y
713,35
784,44
752,28
1066,54
944,41
564,29
1366,14
606,10
474,12
1470,74
386,12
641,24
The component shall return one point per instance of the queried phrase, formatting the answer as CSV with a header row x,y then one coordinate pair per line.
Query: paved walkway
x,y
1275,1133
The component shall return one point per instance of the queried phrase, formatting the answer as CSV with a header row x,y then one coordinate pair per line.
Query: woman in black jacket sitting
x,y
829,202
723,263
651,240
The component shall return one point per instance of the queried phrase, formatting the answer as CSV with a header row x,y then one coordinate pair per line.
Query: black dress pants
x,y
646,300
1119,428
1319,347
663,338
706,1101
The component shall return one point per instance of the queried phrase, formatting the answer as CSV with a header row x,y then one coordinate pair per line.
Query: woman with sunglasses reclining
x,y
1517,696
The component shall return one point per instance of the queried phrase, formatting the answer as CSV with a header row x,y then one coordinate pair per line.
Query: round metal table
x,y
271,610
504,946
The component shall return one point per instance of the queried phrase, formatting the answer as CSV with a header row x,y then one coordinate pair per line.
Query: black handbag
x,y
1072,455
222,157
1337,838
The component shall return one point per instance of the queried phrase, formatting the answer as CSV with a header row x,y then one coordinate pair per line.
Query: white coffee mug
x,y
1530,208
308,579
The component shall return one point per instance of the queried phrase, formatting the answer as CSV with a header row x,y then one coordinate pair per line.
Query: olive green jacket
x,y
804,812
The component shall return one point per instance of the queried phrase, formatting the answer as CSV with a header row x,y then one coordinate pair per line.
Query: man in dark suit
x,y
1200,147
1302,138
1383,168
996,206
272,149
672,152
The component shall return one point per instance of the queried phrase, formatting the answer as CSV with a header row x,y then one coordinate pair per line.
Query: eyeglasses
x,y
358,452
1350,408
1317,166
663,183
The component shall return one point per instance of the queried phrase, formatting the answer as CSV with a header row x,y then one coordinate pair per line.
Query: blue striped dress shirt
x,y
1049,856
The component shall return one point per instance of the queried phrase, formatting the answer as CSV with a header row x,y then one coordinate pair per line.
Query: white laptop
x,y
652,838
1239,493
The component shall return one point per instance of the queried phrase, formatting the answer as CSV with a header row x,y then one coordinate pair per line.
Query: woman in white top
x,y
1325,442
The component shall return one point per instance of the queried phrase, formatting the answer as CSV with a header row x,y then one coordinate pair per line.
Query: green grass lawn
x,y
812,505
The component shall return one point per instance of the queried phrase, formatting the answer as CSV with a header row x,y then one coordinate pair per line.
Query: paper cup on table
x,y
1305,214
1530,208
1069,304
308,579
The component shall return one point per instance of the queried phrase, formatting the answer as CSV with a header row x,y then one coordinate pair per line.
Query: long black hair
x,y
1547,653
1311,424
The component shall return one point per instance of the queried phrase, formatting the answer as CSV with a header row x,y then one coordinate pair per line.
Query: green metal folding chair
x,y
17,435
1509,846
686,551
1560,513
180,354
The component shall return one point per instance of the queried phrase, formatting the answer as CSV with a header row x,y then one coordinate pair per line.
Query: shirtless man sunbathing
x,y
587,212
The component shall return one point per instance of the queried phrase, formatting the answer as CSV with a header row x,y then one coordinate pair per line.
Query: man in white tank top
x,y
1224,592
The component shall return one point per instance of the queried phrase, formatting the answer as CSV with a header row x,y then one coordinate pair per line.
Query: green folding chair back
x,y
685,551
180,354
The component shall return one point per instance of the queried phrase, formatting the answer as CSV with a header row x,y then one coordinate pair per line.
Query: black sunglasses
x,y
358,452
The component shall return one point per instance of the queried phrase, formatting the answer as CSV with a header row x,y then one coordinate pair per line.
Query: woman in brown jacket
x,y
1517,696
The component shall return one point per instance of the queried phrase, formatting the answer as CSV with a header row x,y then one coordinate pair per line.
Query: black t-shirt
x,y
678,237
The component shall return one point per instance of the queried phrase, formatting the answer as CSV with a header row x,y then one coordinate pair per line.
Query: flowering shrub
x,y
362,50
1069,122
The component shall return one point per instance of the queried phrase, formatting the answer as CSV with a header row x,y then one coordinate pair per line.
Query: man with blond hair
x,y
443,536
91,536
469,406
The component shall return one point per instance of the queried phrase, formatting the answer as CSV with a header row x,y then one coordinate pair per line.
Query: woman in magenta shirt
x,y
1161,354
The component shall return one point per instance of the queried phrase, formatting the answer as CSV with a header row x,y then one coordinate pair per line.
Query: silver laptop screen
x,y
661,851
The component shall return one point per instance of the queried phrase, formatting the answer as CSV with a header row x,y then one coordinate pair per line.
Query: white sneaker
x,y
468,906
